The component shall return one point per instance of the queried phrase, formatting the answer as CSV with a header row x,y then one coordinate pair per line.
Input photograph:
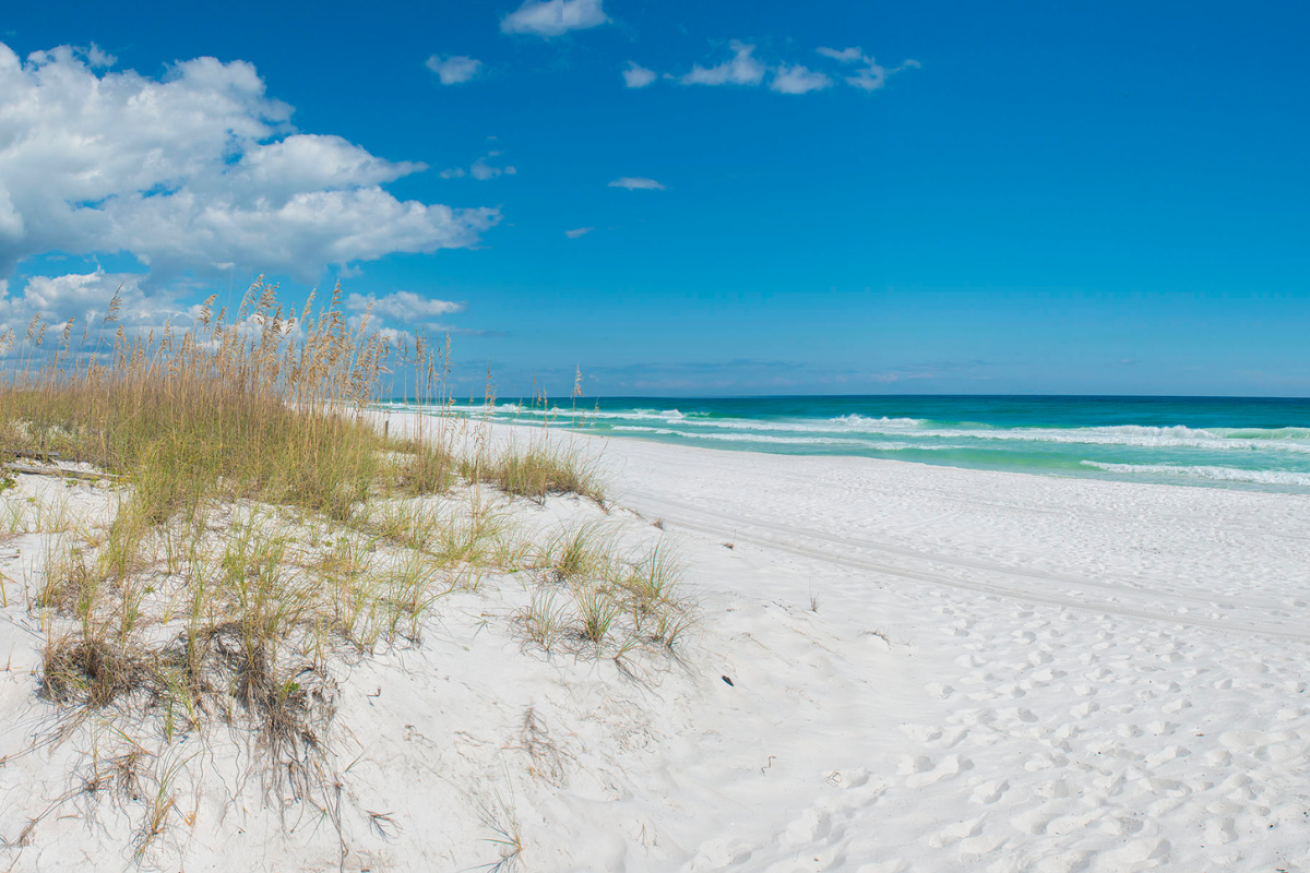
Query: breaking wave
x,y
1220,474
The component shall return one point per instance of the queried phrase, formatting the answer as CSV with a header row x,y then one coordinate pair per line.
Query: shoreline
x,y
1200,453
526,432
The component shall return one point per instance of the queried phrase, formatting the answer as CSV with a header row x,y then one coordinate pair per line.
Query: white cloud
x,y
198,171
873,75
787,78
796,79
453,69
871,78
578,231
304,162
742,69
481,170
637,76
403,306
846,55
548,18
99,58
637,184
85,298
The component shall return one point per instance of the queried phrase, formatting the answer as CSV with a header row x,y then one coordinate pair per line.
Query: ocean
x,y
1230,442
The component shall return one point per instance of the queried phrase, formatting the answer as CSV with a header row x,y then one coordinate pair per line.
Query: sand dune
x,y
897,668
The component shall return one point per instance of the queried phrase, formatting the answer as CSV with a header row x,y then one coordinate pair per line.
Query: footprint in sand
x,y
721,853
910,764
1052,789
954,833
1068,824
1032,821
939,691
1120,826
1140,851
989,792
1218,758
1064,862
976,847
922,733
950,767
1168,753
951,736
1219,831
812,826
1040,762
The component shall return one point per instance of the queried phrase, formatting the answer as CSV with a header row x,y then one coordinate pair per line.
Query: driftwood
x,y
55,471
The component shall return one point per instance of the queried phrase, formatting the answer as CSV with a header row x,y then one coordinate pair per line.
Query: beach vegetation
x,y
225,519
538,471
617,598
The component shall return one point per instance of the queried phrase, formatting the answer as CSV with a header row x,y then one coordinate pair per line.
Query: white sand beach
x,y
896,667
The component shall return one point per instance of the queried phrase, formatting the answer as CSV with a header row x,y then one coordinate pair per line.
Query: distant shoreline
x,y
1236,443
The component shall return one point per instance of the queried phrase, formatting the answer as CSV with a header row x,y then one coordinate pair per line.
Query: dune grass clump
x,y
538,472
92,673
605,598
209,414
585,552
424,468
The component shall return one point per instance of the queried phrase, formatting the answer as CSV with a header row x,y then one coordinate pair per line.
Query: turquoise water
x,y
1259,443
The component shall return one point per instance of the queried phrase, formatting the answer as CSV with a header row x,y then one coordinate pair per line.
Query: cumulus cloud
x,y
871,75
409,311
453,69
637,76
403,306
637,184
796,79
84,297
98,58
549,18
481,170
197,171
303,162
742,69
578,231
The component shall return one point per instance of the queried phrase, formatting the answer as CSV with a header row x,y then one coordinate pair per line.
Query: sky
x,y
688,198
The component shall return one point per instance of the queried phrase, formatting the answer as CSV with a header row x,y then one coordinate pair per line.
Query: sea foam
x,y
1222,474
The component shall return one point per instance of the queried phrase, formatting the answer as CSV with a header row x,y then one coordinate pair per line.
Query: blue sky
x,y
1103,199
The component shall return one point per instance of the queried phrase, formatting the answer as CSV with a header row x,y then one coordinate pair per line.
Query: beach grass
x,y
250,522
538,471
